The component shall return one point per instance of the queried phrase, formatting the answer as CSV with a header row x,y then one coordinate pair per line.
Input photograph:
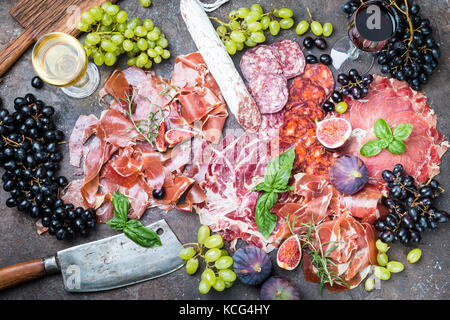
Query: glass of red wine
x,y
369,29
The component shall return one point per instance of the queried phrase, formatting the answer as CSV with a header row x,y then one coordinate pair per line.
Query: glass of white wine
x,y
60,60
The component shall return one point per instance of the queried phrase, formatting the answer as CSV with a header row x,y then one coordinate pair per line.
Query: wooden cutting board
x,y
39,17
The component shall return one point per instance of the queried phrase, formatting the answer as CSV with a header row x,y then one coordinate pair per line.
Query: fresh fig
x,y
348,174
277,288
252,265
290,253
333,133
160,139
178,135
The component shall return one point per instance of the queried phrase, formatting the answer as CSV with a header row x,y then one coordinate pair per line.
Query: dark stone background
x,y
427,279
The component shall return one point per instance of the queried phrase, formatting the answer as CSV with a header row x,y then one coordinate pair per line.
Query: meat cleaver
x,y
104,264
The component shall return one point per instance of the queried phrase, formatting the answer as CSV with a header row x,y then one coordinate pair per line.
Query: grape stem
x,y
406,13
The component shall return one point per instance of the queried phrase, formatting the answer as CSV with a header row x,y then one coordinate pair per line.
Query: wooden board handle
x,y
14,50
21,272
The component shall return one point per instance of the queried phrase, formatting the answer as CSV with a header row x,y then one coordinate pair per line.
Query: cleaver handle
x,y
22,272
14,50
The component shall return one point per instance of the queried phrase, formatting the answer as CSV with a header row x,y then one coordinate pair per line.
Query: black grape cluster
x,y
29,153
411,209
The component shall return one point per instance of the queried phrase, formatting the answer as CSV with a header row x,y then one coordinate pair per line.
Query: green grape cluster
x,y
111,34
218,273
316,27
247,26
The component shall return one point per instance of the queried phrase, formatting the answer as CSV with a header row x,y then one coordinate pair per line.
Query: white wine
x,y
59,59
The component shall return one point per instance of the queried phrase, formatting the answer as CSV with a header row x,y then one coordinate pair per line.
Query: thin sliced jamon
x,y
291,58
303,89
269,91
321,76
261,59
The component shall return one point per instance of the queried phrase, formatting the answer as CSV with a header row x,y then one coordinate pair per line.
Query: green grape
x,y
258,37
153,35
212,255
104,28
157,59
142,44
252,16
192,264
148,24
219,285
99,58
274,27
204,287
414,255
224,253
203,233
231,48
214,241
257,7
188,252
118,51
157,30
159,50
107,20
265,21
228,284
93,38
88,51
233,14
341,107
285,13
82,26
133,23
87,17
395,266
110,58
224,262
140,31
316,28
369,285
209,276
107,45
239,46
122,27
122,16
286,23
221,30
152,53
235,25
250,43
327,29
165,55
130,54
162,42
302,27
237,36
146,3
254,26
382,273
227,275
382,259
112,10
131,61
381,246
151,44
127,45
135,50
117,39
96,12
243,12
149,64
129,33
276,12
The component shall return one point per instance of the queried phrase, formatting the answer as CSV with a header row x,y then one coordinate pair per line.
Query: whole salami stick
x,y
219,63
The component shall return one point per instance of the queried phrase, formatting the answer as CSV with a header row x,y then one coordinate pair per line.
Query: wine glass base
x,y
346,56
83,90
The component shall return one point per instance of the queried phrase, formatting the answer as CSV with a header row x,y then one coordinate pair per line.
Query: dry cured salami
x,y
291,58
320,75
259,60
269,91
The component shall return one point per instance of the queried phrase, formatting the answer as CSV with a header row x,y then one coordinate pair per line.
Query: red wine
x,y
371,26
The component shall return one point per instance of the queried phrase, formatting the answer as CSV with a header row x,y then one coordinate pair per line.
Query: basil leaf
x,y
402,131
383,143
116,224
371,148
121,206
262,187
396,147
282,189
279,169
382,130
145,237
266,221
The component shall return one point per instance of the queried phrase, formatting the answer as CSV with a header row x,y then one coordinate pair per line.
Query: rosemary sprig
x,y
319,258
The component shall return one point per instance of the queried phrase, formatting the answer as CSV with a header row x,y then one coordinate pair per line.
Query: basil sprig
x,y
276,178
133,229
392,141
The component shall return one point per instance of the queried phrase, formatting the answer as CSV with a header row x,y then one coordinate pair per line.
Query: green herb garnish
x,y
392,141
133,229
276,178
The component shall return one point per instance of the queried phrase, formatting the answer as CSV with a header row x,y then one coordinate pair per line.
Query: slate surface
x,y
427,279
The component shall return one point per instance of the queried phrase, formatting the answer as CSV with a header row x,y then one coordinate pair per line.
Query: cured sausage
x,y
302,89
260,60
291,58
320,75
220,65
269,91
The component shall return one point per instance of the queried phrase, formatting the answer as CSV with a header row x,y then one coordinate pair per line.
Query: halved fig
x,y
178,135
160,139
333,133
290,253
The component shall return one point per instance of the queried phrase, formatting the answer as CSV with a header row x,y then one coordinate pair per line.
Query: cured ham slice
x,y
396,103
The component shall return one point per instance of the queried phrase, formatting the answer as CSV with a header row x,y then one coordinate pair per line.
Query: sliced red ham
x,y
84,128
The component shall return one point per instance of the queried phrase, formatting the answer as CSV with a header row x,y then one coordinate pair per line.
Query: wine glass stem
x,y
353,52
83,81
